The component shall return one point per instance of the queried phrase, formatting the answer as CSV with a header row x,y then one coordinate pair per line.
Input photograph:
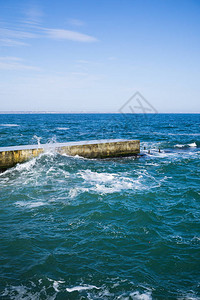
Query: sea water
x,y
123,228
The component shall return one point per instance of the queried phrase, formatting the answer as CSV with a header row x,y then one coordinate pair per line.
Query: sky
x,y
93,56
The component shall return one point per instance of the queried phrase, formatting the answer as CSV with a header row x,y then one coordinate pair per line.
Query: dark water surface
x,y
74,228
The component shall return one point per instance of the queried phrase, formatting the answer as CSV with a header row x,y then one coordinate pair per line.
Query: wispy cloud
x,y
76,22
30,27
63,34
17,34
15,37
12,43
33,15
11,63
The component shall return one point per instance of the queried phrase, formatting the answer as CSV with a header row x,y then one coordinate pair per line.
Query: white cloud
x,y
16,37
16,34
11,63
12,43
63,34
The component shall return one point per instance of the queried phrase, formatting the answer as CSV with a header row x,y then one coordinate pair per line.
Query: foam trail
x,y
81,288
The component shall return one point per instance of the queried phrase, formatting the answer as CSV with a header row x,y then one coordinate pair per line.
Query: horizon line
x,y
85,112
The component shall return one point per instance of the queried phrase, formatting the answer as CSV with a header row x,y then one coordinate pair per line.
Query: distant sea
x,y
123,228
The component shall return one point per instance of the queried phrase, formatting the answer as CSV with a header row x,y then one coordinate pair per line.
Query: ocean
x,y
121,228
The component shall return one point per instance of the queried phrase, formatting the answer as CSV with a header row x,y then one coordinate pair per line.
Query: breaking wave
x,y
192,145
9,125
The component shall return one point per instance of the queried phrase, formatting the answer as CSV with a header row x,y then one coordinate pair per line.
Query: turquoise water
x,y
125,228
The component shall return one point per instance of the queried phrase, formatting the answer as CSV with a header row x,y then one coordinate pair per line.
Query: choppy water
x,y
74,228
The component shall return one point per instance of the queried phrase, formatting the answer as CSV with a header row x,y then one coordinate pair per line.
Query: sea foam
x,y
62,128
29,204
192,145
9,125
81,288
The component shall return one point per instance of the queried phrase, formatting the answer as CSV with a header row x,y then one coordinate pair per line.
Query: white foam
x,y
22,292
81,288
62,128
97,177
73,192
56,284
143,296
108,182
29,204
172,155
179,146
26,165
105,183
116,188
9,125
192,145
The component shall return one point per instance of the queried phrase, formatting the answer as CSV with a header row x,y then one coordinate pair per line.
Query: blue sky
x,y
94,55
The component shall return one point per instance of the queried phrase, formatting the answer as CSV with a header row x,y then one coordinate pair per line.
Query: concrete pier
x,y
10,156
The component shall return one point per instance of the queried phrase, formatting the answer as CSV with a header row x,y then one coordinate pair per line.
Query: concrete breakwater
x,y
10,156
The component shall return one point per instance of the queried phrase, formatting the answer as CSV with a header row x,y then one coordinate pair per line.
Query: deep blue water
x,y
125,228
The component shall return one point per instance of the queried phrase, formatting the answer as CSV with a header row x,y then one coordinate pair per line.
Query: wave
x,y
192,145
54,166
56,289
92,291
62,128
9,125
107,183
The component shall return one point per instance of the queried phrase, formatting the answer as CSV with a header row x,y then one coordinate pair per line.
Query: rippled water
x,y
125,228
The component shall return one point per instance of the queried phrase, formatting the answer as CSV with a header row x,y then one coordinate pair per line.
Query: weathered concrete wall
x,y
103,150
10,156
